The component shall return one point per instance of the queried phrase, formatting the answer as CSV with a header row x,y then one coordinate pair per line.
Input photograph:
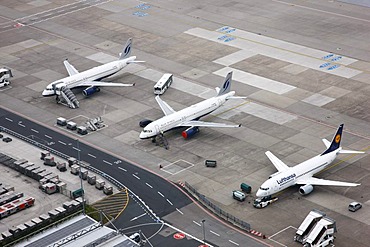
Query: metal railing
x,y
217,210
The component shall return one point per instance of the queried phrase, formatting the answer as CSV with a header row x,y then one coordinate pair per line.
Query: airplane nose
x,y
142,135
259,193
44,93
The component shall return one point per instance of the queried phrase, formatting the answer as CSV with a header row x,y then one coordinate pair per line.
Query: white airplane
x,y
303,173
91,79
189,117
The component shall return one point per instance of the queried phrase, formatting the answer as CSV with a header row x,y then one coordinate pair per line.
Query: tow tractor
x,y
263,202
5,74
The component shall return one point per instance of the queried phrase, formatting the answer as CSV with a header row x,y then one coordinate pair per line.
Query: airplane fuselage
x,y
187,114
285,179
93,74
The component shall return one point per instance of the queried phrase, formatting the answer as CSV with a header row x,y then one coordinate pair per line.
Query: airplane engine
x,y
305,189
190,132
90,90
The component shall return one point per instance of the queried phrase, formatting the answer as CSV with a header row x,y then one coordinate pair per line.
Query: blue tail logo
x,y
126,50
335,143
227,84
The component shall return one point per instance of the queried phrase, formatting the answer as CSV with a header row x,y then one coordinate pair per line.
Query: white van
x,y
161,86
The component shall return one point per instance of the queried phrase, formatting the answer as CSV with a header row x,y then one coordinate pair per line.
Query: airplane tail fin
x,y
126,50
335,143
226,86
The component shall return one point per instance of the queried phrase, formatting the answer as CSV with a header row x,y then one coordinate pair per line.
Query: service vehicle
x,y
5,74
263,202
163,84
354,206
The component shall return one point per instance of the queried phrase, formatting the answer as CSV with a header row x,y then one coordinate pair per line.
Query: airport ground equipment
x,y
68,97
91,179
308,224
108,190
75,169
263,202
163,84
5,75
71,161
82,130
210,163
44,153
354,206
246,188
322,234
61,166
49,161
71,125
16,206
61,121
99,184
238,195
49,188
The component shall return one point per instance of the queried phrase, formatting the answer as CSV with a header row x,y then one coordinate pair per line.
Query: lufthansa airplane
x,y
302,173
189,117
91,79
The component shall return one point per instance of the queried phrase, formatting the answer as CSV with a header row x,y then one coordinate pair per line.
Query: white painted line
x,y
10,120
170,202
78,150
92,155
197,223
178,210
34,130
233,242
107,162
215,233
62,143
122,169
135,176
21,125
48,137
137,217
149,185
282,231
160,194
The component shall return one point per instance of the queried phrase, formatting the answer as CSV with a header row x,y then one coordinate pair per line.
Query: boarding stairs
x,y
69,97
161,140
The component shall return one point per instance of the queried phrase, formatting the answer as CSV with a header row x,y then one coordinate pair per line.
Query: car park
x,y
354,206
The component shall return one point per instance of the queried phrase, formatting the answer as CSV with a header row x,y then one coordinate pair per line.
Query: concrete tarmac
x,y
303,65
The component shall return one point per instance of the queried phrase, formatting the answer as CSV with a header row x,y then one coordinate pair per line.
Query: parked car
x,y
354,206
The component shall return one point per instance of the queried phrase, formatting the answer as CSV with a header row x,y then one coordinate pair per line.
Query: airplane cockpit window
x,y
264,188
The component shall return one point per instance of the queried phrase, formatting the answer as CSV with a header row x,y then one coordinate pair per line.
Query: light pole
x,y
204,232
79,164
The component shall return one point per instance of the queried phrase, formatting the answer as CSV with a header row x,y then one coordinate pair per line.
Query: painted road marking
x,y
62,143
34,130
178,210
135,176
149,185
21,125
10,120
49,137
92,155
107,162
233,242
78,150
160,194
122,169
215,233
197,223
170,202
137,217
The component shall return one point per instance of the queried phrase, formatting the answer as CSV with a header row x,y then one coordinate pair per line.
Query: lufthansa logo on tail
x,y
337,138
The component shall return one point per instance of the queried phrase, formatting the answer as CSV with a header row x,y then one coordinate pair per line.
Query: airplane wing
x,y
280,166
104,84
207,124
326,142
318,181
167,110
70,68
